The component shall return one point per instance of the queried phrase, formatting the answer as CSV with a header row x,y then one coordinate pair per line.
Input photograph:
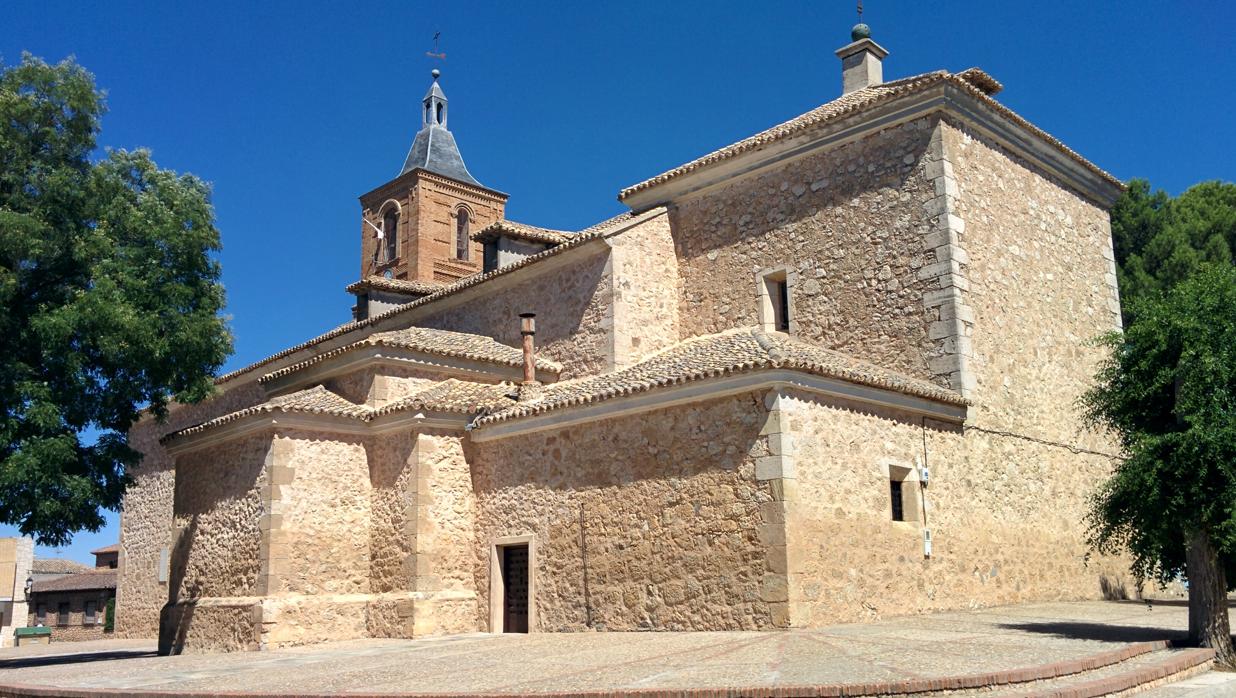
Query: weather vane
x,y
435,53
860,10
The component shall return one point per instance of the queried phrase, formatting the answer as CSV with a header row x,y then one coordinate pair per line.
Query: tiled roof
x,y
315,400
56,565
712,356
379,283
113,548
973,81
584,236
430,341
82,581
521,231
451,395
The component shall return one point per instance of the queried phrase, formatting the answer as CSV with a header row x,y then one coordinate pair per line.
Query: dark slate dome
x,y
434,148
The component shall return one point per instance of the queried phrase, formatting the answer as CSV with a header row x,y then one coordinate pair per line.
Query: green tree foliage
x,y
1168,392
109,300
109,616
1160,241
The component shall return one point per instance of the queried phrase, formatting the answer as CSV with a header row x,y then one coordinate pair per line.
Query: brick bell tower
x,y
416,229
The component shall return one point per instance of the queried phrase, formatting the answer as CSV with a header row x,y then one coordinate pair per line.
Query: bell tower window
x,y
461,235
390,235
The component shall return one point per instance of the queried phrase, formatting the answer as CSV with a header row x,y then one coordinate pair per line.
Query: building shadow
x,y
1099,631
80,658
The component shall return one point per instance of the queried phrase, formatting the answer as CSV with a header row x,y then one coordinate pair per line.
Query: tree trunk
x,y
1208,622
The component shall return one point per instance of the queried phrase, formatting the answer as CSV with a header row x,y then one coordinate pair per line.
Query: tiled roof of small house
x,y
451,395
522,231
56,565
113,548
582,237
974,81
712,356
81,581
380,283
430,341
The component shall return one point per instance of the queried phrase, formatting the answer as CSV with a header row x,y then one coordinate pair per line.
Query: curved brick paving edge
x,y
1187,662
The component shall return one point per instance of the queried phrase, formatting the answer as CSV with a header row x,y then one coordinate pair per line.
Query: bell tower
x,y
416,229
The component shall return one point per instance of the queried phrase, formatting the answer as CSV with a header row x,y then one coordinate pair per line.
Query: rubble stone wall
x,y
1006,517
326,514
650,521
646,291
218,505
849,222
146,512
573,308
1042,286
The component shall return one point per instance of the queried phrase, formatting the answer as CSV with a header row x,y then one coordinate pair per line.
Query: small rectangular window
x,y
40,614
774,292
781,313
62,613
894,490
92,609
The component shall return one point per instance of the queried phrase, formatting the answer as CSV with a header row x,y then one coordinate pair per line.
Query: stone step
x,y
1125,677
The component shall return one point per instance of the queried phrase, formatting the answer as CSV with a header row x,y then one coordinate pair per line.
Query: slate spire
x,y
434,148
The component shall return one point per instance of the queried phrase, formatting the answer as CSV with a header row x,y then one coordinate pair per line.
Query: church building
x,y
824,374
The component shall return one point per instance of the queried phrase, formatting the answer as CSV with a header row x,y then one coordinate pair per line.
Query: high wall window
x,y
62,613
92,611
895,494
40,614
390,232
461,235
773,288
904,493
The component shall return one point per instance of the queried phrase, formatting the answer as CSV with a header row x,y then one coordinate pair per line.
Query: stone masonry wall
x,y
573,307
1042,285
651,521
217,509
146,513
217,558
380,385
646,291
446,538
326,513
316,552
421,540
850,222
1006,516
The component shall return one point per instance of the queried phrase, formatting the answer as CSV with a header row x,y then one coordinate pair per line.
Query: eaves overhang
x,y
709,389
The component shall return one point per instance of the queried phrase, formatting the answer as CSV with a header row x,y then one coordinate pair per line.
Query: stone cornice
x,y
721,387
407,177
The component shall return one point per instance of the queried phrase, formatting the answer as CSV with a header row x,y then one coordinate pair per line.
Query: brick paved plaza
x,y
935,646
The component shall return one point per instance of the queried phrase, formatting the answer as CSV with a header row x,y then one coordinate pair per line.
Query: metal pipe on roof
x,y
527,328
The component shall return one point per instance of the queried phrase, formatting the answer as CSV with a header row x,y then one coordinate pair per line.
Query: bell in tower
x,y
416,232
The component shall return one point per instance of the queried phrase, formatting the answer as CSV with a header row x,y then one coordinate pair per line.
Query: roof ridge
x,y
975,80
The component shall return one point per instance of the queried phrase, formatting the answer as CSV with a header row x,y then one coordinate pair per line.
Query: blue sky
x,y
292,110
